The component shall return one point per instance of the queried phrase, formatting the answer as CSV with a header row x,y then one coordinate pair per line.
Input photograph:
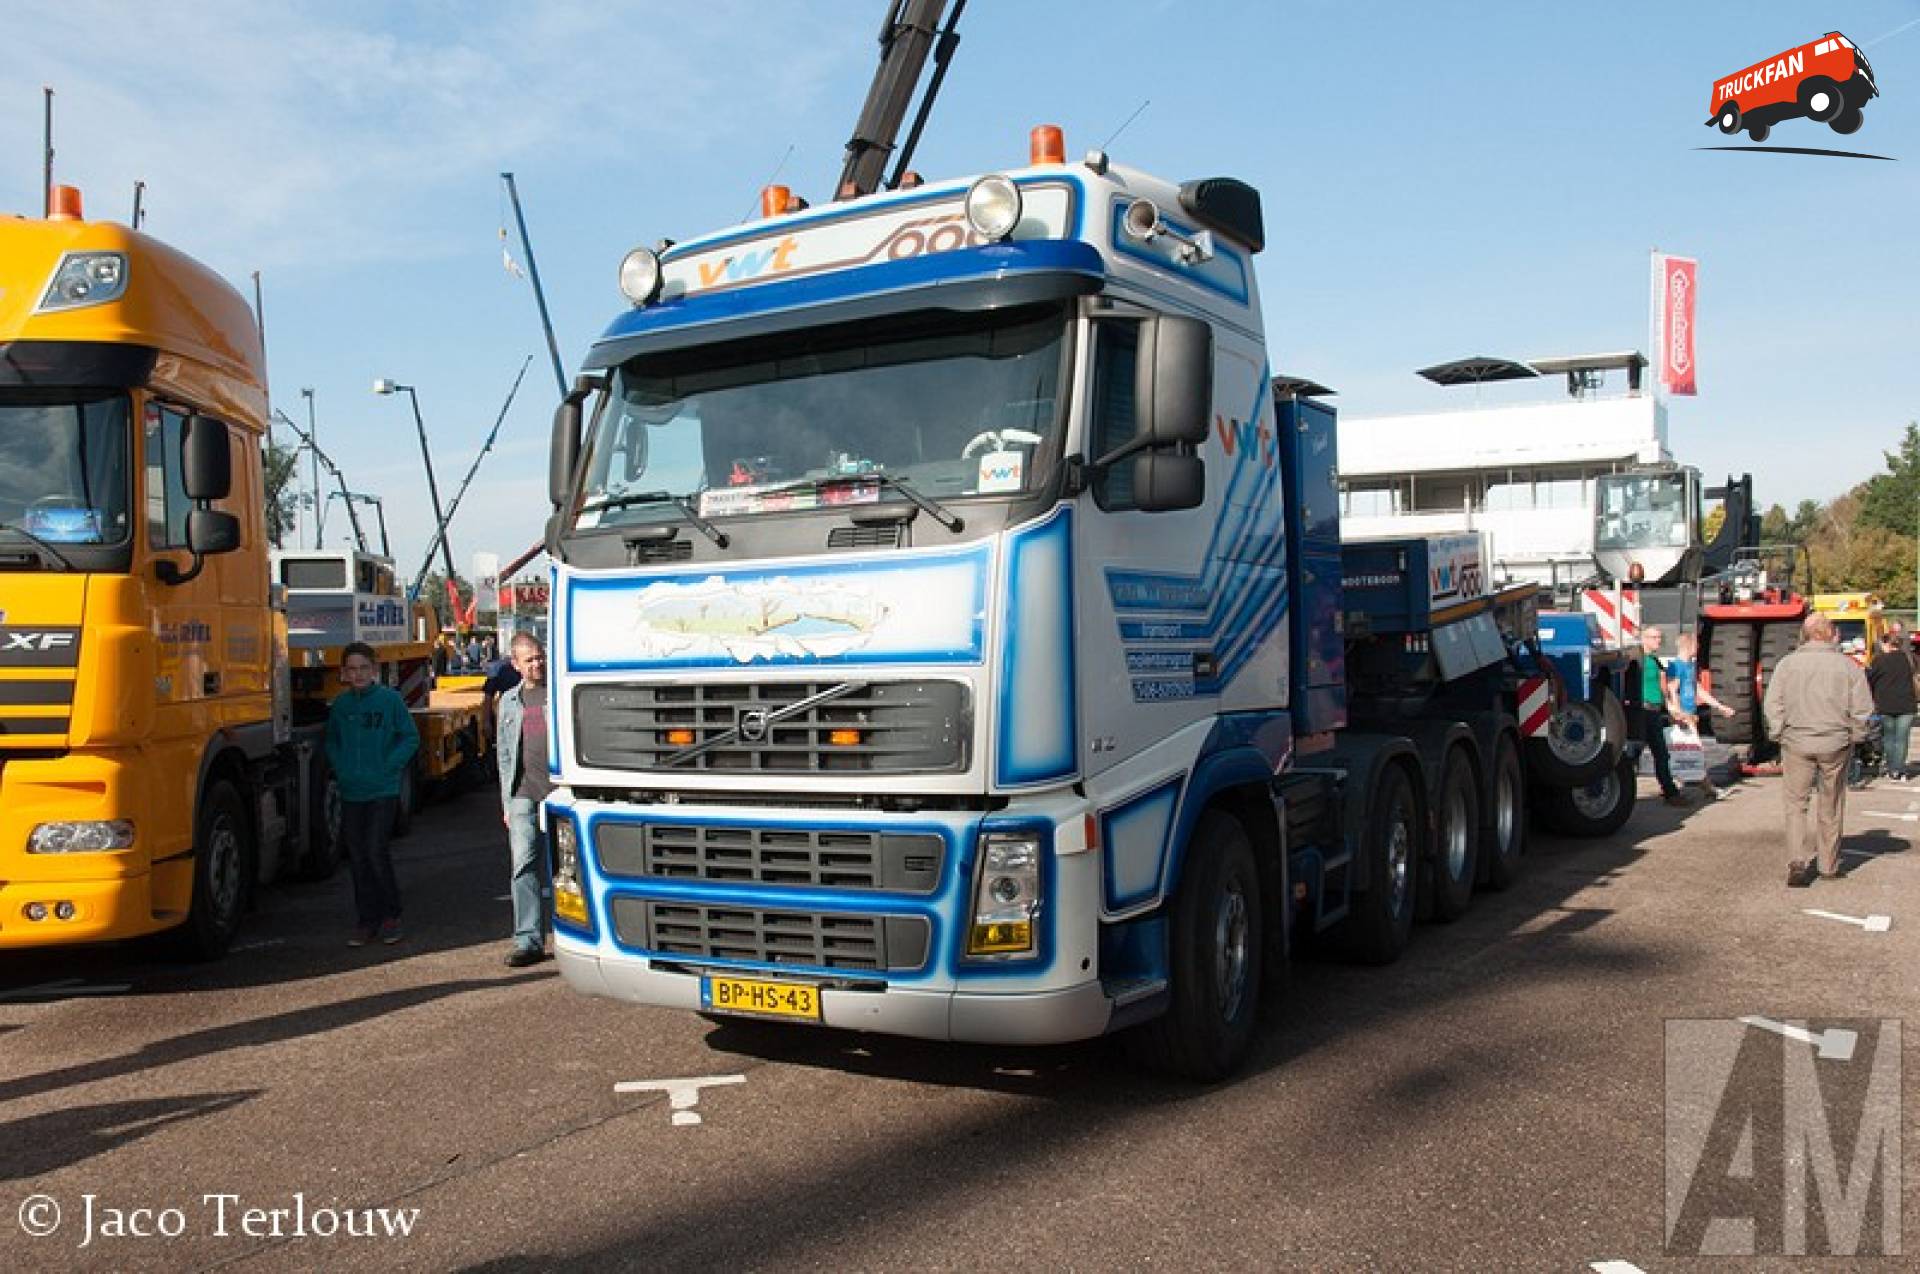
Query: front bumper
x,y
1033,1017
104,910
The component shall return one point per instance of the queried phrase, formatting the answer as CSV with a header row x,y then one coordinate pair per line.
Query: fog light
x,y
85,278
1006,896
640,276
35,911
101,836
63,911
569,899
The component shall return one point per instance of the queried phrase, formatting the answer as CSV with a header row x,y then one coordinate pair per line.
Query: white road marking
x,y
1872,924
1615,1267
682,1094
63,988
263,942
1835,1043
1899,818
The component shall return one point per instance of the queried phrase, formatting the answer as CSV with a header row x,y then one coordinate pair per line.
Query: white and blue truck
x,y
952,635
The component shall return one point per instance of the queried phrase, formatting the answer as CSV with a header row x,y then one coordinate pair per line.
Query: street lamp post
x,y
319,497
433,487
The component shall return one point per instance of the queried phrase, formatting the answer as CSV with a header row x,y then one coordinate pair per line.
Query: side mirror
x,y
564,452
206,459
1173,392
1167,480
210,531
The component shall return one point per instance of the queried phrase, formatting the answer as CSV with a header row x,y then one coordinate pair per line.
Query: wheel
x,y
1757,131
1382,918
1583,741
1847,121
1729,119
1456,849
1215,956
409,801
222,856
1595,809
325,847
1730,662
1776,641
1820,98
1505,836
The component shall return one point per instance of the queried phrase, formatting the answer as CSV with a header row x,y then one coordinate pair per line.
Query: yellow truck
x,y
1860,619
155,766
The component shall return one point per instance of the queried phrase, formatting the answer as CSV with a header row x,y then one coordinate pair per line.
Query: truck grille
x,y
37,709
820,857
814,940
884,727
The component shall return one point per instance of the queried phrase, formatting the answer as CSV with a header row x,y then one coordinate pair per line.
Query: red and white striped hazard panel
x,y
1536,706
1618,610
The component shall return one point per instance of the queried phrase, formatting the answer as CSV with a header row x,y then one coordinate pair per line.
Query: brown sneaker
x,y
1677,800
1800,875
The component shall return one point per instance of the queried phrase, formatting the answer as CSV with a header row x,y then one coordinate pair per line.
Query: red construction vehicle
x,y
1826,80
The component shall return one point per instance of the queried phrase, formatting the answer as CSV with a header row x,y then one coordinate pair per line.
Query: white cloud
x,y
310,137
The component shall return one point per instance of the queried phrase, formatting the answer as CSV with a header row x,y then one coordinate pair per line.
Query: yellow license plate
x,y
760,999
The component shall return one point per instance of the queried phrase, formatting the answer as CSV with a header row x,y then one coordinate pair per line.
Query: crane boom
x,y
906,38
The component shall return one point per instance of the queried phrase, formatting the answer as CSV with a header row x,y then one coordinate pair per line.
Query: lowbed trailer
x,y
952,635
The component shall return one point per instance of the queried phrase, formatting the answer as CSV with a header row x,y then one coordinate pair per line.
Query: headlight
x,y
993,207
640,276
569,899
103,837
85,278
1006,896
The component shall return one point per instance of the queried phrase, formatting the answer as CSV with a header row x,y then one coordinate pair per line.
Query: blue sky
x,y
1439,179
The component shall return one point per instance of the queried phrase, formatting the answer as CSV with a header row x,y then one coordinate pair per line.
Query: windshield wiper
x,y
927,504
680,502
40,544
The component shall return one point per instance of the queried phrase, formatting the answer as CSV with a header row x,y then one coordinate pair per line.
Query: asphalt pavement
x,y
1514,1094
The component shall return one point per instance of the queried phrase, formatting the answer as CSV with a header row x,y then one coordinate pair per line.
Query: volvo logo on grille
x,y
753,725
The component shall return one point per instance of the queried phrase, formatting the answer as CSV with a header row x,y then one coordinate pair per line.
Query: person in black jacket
x,y
1890,676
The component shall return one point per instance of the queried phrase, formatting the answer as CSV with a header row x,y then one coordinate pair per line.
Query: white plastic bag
x,y
1689,759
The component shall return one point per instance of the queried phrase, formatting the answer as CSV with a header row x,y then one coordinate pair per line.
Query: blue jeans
x,y
1894,734
529,879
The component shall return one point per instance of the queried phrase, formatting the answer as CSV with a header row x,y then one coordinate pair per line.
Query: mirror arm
x,y
1125,449
168,573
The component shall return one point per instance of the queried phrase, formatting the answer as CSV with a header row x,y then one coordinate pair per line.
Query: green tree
x,y
284,500
1891,500
434,589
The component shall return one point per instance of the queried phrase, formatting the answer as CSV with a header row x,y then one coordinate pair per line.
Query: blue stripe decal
x,y
1225,274
961,265
1133,844
1036,728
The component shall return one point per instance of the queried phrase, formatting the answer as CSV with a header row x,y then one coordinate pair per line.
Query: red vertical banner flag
x,y
1676,284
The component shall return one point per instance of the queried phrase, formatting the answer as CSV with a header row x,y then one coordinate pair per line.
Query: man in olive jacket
x,y
1817,708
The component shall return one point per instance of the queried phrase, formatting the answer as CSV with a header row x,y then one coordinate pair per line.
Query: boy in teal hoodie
x,y
371,739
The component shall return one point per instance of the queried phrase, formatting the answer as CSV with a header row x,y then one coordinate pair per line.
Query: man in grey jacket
x,y
1817,708
520,746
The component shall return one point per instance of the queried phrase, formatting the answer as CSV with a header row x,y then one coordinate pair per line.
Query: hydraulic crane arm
x,y
909,33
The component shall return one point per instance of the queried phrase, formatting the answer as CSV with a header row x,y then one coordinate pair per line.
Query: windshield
x,y
1642,511
63,469
1851,629
955,404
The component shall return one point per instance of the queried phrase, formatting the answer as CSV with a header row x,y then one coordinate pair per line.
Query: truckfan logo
x,y
1827,81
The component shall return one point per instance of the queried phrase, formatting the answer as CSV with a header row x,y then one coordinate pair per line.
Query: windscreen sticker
x,y
1002,471
720,502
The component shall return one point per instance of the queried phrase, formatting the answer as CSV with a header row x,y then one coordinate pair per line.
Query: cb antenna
x,y
1126,124
755,205
46,179
139,189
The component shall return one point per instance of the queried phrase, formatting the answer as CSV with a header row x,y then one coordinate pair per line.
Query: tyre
x,y
1821,99
1391,843
1504,839
222,858
1847,121
1730,651
1215,958
1582,742
1729,118
1777,640
1457,832
325,847
409,801
1595,809
1758,132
